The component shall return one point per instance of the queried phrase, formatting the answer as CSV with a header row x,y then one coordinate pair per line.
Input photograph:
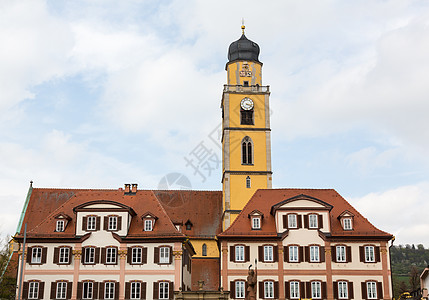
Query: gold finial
x,y
242,25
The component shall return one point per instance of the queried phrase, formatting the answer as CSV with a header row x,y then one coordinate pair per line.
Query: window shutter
x,y
156,256
261,253
171,255
276,289
377,254
84,223
302,290
82,256
335,287
334,253
97,223
97,256
41,289
116,290
324,292
287,289
285,224
144,255
143,293
44,254
305,221
101,289
96,287
155,290
348,254
232,289
246,293
127,290
320,217
129,255
56,255
261,290
69,289
307,253
79,290
246,253
29,254
103,255
363,287
362,253
299,221
379,290
286,253
119,223
106,223
171,290
308,289
276,254
351,292
53,290
322,254
300,254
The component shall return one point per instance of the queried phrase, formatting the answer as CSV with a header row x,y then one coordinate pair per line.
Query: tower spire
x,y
242,25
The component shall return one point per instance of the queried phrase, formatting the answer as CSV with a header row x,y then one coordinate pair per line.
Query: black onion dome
x,y
243,49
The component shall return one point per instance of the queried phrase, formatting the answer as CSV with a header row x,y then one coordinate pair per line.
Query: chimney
x,y
134,188
127,188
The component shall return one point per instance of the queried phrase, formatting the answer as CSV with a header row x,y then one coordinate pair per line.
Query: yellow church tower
x,y
246,133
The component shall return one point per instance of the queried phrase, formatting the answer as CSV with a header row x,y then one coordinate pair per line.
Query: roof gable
x,y
301,201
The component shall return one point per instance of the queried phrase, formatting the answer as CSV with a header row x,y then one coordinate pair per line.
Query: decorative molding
x,y
77,254
122,254
177,254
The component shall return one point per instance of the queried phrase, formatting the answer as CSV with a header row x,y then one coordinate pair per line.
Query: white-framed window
x,y
248,182
113,223
268,253
341,253
91,223
164,255
36,255
369,254
33,290
109,290
256,223
239,289
135,290
371,290
111,255
163,290
294,289
89,255
293,254
148,225
268,289
239,253
136,255
314,254
64,255
316,290
87,288
60,226
292,221
343,290
313,221
61,290
347,224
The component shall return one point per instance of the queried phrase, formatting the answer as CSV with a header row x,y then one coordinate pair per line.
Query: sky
x,y
96,94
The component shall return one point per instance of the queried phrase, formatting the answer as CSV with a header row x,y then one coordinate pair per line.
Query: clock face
x,y
247,104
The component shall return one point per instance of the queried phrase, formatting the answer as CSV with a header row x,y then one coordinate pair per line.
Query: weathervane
x,y
242,25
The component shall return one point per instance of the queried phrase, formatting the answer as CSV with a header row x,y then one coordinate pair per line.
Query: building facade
x,y
143,244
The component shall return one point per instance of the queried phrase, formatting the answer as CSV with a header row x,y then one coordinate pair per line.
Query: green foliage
x,y
8,282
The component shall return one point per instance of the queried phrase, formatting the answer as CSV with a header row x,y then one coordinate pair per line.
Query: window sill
x,y
247,164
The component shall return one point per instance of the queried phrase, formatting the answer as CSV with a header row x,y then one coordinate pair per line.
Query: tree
x,y
7,268
414,278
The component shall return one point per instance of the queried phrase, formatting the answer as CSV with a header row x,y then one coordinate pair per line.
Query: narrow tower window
x,y
246,151
204,250
248,182
246,117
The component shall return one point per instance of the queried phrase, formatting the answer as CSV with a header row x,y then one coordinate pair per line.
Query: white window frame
x,y
347,224
268,289
87,289
371,290
112,223
268,253
314,254
240,289
89,255
33,290
36,255
316,290
135,289
341,254
64,255
148,225
248,182
60,226
91,223
61,290
313,221
111,255
293,254
136,255
109,290
256,222
239,253
369,253
292,221
294,289
164,290
164,255
343,290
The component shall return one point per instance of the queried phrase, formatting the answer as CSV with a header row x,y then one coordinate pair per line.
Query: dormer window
x,y
313,221
148,225
292,221
188,225
256,223
347,224
256,219
346,220
113,223
149,221
60,226
91,223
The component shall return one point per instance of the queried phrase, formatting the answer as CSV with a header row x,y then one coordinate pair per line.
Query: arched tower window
x,y
204,250
246,116
248,182
246,151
